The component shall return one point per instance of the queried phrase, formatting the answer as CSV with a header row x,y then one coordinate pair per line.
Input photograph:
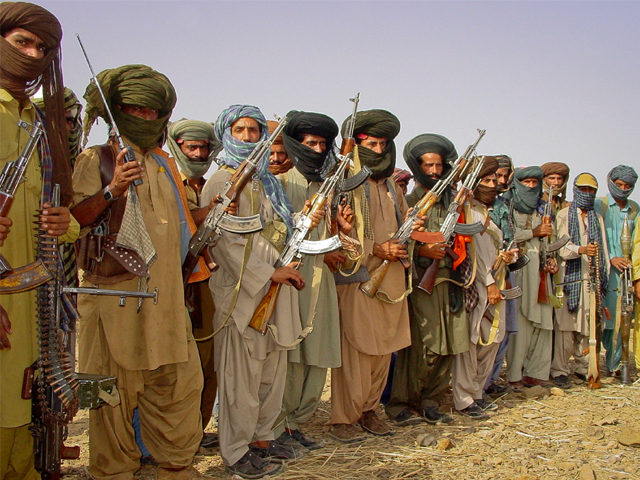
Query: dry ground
x,y
572,435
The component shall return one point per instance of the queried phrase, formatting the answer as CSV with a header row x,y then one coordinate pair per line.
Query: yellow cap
x,y
586,180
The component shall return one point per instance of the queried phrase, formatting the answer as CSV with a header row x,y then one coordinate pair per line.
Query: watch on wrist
x,y
108,196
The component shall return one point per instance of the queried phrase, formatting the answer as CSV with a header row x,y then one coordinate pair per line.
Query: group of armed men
x,y
132,222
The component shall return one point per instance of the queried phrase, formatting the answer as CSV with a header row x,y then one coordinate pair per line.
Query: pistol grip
x,y
27,383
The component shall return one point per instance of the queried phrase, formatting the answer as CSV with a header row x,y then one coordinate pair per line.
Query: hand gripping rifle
x,y
210,230
626,294
596,317
297,245
35,274
129,156
546,251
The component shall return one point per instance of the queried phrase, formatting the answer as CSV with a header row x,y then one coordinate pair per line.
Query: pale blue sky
x,y
549,81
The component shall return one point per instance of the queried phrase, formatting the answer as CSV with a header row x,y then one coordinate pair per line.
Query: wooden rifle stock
x,y
543,286
265,309
428,280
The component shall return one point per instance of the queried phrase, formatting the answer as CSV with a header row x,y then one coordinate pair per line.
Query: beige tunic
x,y
577,321
370,325
158,334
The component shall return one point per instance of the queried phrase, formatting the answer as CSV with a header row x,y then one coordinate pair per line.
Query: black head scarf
x,y
525,199
312,165
428,143
381,124
504,161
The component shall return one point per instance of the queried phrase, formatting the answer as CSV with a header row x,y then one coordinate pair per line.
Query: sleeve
x,y
86,175
73,232
522,234
570,250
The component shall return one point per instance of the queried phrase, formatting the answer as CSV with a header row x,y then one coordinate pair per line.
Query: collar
x,y
6,97
613,202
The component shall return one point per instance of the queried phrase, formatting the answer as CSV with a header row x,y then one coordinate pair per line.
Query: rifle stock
x,y
266,307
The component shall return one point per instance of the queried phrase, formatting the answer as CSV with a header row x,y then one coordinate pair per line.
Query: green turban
x,y
132,85
192,130
381,124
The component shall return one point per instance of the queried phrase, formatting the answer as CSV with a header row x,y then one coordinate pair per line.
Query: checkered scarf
x,y
573,272
236,151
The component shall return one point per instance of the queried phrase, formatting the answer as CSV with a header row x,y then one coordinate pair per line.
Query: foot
x,y
148,460
252,466
187,473
407,417
297,438
432,415
516,386
370,422
534,382
474,411
208,444
562,381
346,433
278,451
486,404
495,389
580,376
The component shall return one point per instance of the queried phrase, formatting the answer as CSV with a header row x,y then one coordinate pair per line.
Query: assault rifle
x,y
597,316
297,245
499,269
35,274
451,227
626,293
547,262
210,230
129,156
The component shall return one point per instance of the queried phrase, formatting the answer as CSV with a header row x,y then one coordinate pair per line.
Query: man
x,y
486,320
309,142
251,367
529,352
371,329
147,347
635,257
501,214
586,229
402,178
193,145
279,161
615,209
437,320
556,175
30,52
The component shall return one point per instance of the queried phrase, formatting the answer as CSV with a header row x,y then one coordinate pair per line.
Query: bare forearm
x,y
90,209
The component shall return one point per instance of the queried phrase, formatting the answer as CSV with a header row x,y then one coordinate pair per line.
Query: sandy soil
x,y
537,434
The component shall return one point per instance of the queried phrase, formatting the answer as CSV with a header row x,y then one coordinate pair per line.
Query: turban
x,y
312,165
272,127
483,193
525,199
22,75
400,175
428,143
556,168
627,175
237,151
381,124
584,201
132,85
505,161
192,130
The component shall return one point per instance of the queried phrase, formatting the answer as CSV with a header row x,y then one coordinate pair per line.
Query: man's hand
x,y
391,250
435,251
5,329
620,263
418,223
345,219
494,295
55,220
543,230
551,266
289,276
316,217
508,255
589,250
5,224
124,174
334,260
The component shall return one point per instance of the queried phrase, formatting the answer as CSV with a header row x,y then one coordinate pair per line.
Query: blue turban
x,y
525,199
627,175
236,151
